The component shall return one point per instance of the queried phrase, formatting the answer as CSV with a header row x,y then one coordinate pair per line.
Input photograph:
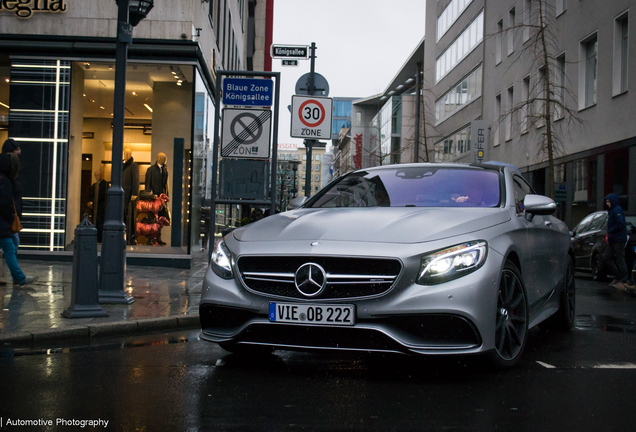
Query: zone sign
x,y
311,117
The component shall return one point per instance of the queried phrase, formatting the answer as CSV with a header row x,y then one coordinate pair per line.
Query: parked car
x,y
415,259
588,240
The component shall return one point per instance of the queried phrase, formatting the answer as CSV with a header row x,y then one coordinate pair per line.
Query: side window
x,y
584,225
521,188
598,222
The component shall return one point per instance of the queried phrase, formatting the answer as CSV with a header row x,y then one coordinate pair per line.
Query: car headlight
x,y
221,262
452,263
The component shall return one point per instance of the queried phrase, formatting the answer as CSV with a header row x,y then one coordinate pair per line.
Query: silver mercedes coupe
x,y
427,259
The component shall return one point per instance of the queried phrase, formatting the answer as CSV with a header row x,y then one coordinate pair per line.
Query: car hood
x,y
377,224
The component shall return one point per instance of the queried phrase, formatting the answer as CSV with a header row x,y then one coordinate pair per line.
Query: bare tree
x,y
545,110
428,132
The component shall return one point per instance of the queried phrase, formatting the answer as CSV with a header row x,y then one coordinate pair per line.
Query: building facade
x,y
57,66
486,63
383,127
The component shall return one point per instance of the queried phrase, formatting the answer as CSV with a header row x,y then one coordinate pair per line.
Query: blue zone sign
x,y
248,91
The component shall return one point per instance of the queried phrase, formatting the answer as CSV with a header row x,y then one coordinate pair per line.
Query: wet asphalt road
x,y
584,380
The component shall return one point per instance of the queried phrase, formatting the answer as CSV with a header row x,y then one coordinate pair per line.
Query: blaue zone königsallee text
x,y
26,8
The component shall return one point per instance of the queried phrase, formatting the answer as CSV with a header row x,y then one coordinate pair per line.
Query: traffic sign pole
x,y
310,143
214,200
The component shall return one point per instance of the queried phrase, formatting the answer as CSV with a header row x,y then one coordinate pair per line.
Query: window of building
x,y
497,120
218,40
453,146
338,124
587,72
524,111
621,45
560,87
304,158
580,175
498,41
317,177
509,106
304,167
527,11
449,15
316,188
463,93
511,31
461,47
541,97
218,21
212,11
317,167
561,6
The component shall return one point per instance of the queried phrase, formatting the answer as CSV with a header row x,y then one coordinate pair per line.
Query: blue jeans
x,y
8,246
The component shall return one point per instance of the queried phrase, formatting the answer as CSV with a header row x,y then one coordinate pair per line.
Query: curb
x,y
95,331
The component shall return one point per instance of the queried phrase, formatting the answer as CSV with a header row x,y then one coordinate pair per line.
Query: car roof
x,y
436,165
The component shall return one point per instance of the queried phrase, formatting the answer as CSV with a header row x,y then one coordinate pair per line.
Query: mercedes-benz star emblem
x,y
310,279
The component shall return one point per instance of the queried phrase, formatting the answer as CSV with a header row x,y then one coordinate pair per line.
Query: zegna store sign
x,y
26,8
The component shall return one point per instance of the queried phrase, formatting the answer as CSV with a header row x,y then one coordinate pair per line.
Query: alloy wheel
x,y
511,326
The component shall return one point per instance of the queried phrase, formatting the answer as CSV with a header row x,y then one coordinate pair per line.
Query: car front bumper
x,y
456,317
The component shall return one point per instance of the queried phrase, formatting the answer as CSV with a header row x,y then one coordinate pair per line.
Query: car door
x,y
580,242
533,243
594,237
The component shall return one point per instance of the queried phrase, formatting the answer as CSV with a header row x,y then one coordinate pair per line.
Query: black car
x,y
588,240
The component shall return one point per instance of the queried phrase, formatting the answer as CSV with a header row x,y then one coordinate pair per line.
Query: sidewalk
x,y
165,299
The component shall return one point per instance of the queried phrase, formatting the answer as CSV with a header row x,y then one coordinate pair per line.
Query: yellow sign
x,y
25,8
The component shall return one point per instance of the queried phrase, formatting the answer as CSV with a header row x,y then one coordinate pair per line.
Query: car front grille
x,y
347,277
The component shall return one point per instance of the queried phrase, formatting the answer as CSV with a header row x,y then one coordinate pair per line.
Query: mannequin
x,y
130,184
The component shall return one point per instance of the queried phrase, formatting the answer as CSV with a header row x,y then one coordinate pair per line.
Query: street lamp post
x,y
113,266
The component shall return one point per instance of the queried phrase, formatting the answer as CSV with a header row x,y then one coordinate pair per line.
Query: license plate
x,y
343,315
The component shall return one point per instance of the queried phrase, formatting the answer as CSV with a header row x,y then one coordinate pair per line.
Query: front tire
x,y
511,328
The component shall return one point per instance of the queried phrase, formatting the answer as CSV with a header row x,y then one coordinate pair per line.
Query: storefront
x,y
58,105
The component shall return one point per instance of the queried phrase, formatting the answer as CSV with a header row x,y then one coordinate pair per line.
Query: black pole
x,y
310,143
113,269
272,197
418,90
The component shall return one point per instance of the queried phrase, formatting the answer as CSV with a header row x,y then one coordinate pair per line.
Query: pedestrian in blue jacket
x,y
9,166
616,240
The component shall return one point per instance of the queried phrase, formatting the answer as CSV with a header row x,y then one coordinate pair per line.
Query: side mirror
x,y
296,202
538,205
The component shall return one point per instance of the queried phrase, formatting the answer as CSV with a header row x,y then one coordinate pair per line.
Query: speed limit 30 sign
x,y
311,117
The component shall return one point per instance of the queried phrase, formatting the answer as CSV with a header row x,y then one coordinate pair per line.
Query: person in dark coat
x,y
130,184
9,166
97,202
11,146
616,238
157,183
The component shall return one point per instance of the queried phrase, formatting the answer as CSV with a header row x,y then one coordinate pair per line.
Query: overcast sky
x,y
361,45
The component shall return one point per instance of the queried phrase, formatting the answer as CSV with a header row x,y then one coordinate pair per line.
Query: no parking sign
x,y
311,117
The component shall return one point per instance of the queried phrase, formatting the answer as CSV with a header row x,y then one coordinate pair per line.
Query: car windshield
x,y
413,187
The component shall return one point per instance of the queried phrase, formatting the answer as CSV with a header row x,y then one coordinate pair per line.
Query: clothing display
x,y
151,218
157,179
